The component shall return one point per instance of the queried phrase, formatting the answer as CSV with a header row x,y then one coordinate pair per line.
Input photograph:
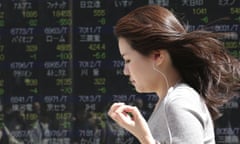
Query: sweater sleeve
x,y
185,119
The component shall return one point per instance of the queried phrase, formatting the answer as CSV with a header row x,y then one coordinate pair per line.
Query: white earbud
x,y
166,80
164,76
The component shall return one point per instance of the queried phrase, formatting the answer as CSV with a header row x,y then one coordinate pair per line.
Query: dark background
x,y
60,69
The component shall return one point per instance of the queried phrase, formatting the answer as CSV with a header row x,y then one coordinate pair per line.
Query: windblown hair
x,y
199,56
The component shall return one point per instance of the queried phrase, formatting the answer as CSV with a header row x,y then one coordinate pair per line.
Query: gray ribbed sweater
x,y
182,118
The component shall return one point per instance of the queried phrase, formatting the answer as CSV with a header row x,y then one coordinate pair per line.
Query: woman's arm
x,y
130,118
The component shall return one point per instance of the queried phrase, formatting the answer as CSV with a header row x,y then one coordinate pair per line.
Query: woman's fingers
x,y
124,114
130,118
113,108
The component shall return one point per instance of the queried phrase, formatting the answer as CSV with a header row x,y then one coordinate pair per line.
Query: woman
x,y
190,72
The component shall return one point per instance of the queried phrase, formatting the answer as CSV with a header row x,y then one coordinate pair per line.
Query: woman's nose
x,y
125,70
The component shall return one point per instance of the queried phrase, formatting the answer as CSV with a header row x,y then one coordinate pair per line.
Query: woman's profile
x,y
191,72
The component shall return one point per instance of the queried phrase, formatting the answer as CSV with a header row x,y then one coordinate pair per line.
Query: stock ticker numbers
x,y
36,73
56,64
89,75
60,68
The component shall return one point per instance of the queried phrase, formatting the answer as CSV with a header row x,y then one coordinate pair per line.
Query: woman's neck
x,y
172,80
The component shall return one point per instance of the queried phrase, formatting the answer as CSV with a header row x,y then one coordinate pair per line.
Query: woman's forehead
x,y
124,46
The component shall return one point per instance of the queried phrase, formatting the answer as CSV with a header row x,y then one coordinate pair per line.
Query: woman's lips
x,y
132,81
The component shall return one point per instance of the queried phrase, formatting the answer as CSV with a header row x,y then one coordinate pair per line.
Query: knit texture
x,y
182,117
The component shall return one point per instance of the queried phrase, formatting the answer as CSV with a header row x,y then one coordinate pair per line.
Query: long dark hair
x,y
199,56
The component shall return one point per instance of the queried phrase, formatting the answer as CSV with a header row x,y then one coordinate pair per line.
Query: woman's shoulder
x,y
182,95
181,89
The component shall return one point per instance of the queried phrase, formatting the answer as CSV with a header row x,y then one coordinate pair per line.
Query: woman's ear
x,y
158,57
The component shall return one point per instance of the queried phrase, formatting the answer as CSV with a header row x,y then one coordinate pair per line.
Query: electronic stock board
x,y
60,68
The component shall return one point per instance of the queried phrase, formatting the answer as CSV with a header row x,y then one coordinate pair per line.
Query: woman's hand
x,y
130,118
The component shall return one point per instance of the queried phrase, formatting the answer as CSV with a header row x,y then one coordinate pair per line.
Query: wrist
x,y
148,140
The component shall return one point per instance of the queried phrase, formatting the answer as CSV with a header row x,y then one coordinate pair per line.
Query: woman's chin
x,y
140,90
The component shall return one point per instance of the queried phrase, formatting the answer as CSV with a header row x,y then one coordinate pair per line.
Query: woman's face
x,y
139,68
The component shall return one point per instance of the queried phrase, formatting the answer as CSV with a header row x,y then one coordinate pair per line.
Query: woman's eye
x,y
127,61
